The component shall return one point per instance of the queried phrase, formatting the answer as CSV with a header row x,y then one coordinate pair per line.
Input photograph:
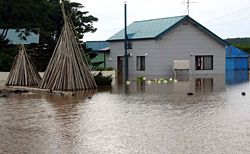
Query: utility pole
x,y
125,43
188,2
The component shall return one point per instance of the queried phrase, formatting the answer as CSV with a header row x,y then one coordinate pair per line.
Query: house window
x,y
129,44
140,63
204,62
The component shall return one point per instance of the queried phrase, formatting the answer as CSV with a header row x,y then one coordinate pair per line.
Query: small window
x,y
140,63
129,44
204,62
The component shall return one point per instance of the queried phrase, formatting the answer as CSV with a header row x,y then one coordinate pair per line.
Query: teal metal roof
x,y
97,45
155,28
147,28
12,35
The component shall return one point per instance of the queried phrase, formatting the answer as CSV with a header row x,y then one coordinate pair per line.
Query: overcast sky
x,y
235,21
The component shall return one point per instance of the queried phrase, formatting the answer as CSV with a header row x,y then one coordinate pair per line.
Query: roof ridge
x,y
159,18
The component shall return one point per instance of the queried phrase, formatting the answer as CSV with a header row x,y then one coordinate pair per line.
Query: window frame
x,y
129,44
212,61
141,61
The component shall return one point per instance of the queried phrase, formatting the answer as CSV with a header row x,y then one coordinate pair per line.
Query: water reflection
x,y
156,118
204,84
236,77
185,84
67,118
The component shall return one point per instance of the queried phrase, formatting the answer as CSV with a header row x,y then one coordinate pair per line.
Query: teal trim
x,y
97,45
209,32
132,39
156,28
146,29
170,28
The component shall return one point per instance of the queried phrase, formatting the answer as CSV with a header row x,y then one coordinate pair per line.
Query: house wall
x,y
140,47
178,44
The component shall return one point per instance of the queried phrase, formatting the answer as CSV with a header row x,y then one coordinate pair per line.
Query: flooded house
x,y
154,44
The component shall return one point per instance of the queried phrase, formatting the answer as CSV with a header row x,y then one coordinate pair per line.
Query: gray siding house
x,y
154,44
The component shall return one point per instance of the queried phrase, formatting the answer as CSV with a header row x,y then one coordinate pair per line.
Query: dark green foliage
x,y
91,55
43,17
102,80
240,43
238,40
7,55
93,65
243,46
96,64
104,69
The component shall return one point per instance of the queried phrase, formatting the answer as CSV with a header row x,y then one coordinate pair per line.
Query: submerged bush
x,y
102,80
104,69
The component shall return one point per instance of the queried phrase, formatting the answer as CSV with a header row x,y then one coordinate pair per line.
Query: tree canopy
x,y
240,43
43,17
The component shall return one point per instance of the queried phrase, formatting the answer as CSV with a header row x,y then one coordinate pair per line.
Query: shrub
x,y
102,80
104,69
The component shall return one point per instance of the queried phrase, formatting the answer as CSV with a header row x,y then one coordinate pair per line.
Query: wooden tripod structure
x,y
23,71
68,67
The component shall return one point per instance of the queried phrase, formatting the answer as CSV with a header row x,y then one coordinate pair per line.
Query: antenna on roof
x,y
184,2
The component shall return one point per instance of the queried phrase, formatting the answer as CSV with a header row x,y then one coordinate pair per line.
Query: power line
x,y
185,28
227,15
230,22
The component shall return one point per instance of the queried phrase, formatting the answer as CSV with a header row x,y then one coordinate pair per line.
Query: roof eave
x,y
209,32
172,27
147,38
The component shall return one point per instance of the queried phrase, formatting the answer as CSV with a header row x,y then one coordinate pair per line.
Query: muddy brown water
x,y
142,118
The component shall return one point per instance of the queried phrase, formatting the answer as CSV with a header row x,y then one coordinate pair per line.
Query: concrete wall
x,y
178,44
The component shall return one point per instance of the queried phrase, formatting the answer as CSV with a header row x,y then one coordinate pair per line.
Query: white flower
x,y
127,82
165,81
155,80
170,79
159,81
175,80
149,82
143,78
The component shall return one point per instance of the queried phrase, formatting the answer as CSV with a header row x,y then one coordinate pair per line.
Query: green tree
x,y
43,17
243,46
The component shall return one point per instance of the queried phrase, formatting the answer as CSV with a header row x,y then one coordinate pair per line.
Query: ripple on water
x,y
216,120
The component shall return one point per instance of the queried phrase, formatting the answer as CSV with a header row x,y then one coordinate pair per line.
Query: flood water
x,y
142,118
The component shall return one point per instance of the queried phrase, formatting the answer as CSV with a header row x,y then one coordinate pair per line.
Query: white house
x,y
154,44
